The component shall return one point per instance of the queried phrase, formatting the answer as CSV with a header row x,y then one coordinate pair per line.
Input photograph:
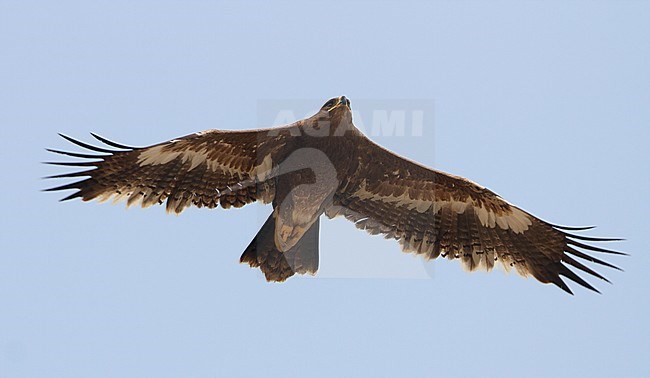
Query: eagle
x,y
324,165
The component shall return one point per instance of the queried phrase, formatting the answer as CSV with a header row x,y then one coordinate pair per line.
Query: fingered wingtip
x,y
111,143
567,228
85,145
77,155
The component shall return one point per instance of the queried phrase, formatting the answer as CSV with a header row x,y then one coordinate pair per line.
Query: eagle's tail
x,y
276,265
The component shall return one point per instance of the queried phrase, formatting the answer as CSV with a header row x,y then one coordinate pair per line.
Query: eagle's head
x,y
333,119
342,103
337,115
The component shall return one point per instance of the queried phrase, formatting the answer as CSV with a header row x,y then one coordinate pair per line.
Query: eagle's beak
x,y
344,101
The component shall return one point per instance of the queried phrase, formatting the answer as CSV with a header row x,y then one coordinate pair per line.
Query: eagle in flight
x,y
324,165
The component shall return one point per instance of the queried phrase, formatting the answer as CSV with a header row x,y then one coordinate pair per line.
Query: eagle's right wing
x,y
436,214
210,168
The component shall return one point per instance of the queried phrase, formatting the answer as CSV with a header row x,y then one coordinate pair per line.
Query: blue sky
x,y
546,103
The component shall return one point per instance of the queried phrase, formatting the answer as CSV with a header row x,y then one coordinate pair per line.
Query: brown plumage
x,y
324,165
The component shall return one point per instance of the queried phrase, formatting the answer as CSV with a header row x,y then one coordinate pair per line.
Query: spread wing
x,y
210,168
436,214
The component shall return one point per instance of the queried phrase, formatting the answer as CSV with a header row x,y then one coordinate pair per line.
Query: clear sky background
x,y
546,103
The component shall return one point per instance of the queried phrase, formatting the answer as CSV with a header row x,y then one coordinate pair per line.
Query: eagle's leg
x,y
276,265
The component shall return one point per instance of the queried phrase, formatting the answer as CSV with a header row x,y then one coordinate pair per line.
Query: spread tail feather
x,y
276,265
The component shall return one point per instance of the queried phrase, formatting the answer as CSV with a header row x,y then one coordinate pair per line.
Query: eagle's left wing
x,y
210,168
436,214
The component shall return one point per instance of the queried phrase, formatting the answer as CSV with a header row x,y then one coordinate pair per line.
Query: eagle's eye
x,y
330,103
